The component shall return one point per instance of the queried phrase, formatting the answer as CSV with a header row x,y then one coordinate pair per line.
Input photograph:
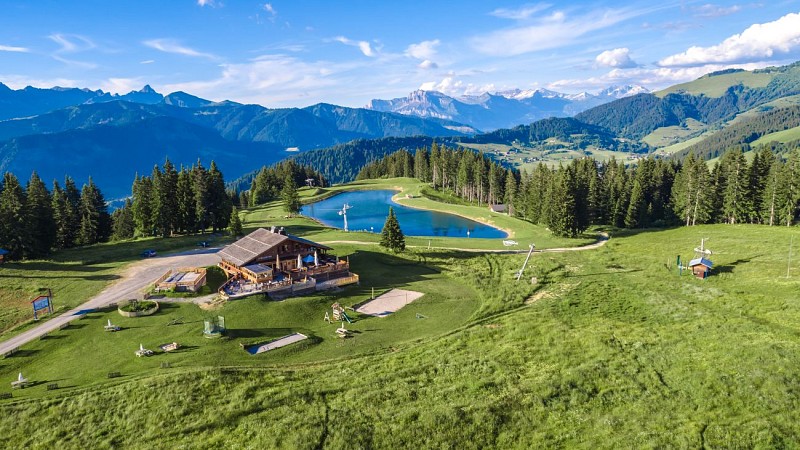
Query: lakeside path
x,y
132,280
602,238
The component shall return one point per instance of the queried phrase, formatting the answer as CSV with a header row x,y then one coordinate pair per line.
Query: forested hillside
x,y
654,193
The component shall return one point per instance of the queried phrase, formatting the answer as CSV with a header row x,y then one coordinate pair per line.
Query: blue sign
x,y
41,303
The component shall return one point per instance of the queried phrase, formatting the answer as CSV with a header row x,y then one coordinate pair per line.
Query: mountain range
x,y
504,109
83,133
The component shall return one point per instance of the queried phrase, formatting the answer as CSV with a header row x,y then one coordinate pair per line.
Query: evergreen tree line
x,y
279,182
470,175
653,193
34,220
172,201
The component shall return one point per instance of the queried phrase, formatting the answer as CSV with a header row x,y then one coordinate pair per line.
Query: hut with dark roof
x,y
701,267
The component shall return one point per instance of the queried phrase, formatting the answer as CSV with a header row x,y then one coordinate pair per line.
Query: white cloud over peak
x,y
170,46
364,46
558,29
456,88
423,50
521,13
618,57
13,49
756,43
121,85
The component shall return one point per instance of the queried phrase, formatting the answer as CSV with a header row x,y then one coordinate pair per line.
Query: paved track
x,y
131,282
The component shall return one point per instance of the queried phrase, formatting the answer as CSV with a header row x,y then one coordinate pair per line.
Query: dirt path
x,y
602,238
130,284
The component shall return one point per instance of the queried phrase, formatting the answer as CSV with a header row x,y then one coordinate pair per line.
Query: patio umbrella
x,y
316,259
299,261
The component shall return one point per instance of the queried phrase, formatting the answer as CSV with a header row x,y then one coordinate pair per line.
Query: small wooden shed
x,y
701,267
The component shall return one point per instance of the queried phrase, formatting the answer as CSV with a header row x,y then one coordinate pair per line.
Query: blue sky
x,y
298,53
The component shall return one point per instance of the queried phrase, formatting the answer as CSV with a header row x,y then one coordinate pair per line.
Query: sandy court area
x,y
389,302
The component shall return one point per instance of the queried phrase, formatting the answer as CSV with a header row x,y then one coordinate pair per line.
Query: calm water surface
x,y
369,210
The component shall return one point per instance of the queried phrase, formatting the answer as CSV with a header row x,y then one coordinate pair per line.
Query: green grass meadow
x,y
609,348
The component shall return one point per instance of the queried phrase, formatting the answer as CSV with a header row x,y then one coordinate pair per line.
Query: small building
x,y
3,255
498,208
274,261
701,267
185,279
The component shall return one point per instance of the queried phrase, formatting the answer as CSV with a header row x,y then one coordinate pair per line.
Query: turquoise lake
x,y
368,211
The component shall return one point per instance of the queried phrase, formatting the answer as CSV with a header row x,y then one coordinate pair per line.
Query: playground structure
x,y
111,327
338,314
184,279
530,251
214,327
143,351
21,382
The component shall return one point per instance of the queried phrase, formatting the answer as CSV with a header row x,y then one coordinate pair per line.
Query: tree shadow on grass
x,y
24,353
728,268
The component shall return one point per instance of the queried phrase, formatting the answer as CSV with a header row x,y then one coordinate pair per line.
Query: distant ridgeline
x,y
654,193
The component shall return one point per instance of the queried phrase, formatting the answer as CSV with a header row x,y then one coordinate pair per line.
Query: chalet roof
x,y
255,244
498,207
4,252
701,261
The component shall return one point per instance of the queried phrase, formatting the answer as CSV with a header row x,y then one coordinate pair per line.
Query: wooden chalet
x,y
262,254
701,267
275,262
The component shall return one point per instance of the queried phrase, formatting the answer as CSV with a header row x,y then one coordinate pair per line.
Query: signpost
x,y
42,303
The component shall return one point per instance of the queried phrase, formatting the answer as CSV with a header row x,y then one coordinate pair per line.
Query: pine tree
x,y
201,196
143,205
187,213
235,224
291,201
95,225
74,202
634,217
165,199
41,225
561,204
14,235
392,236
735,205
122,220
63,217
219,204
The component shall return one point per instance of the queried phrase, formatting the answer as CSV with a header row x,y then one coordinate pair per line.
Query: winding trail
x,y
130,284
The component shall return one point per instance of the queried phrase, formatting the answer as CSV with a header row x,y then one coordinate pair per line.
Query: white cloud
x,y
652,78
423,50
364,46
427,65
709,11
170,46
121,85
72,43
21,81
521,13
212,3
270,9
757,42
618,57
269,80
9,48
456,88
147,61
553,31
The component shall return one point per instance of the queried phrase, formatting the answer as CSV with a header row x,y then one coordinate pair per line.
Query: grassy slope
x,y
792,134
613,350
715,86
74,276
